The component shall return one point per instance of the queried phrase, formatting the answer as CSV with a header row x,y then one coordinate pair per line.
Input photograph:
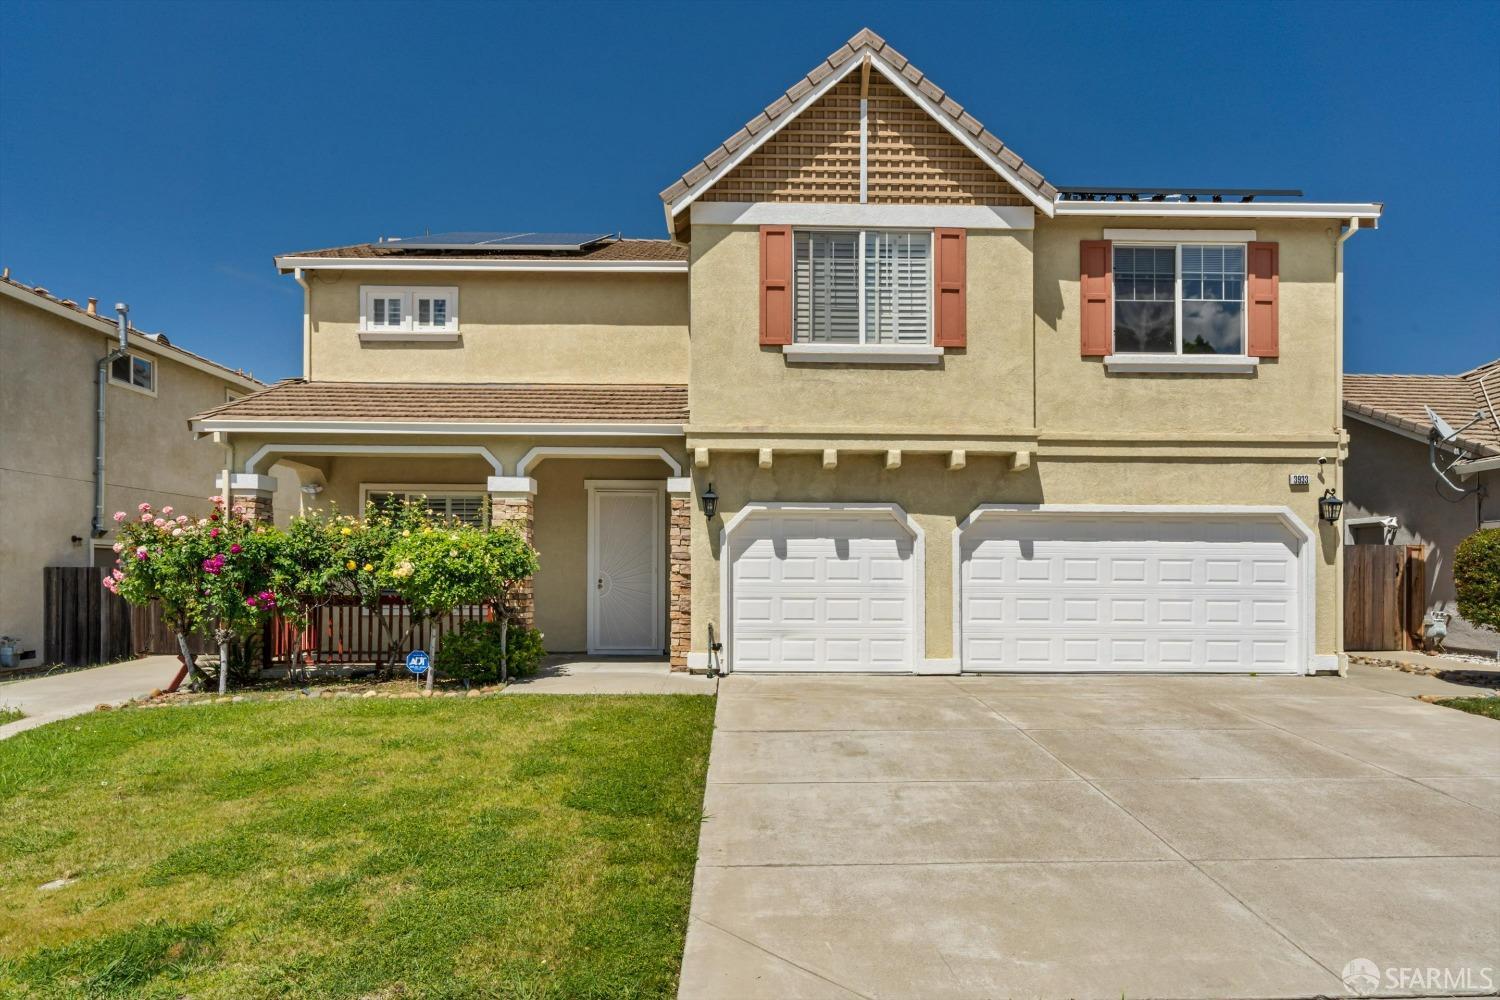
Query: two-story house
x,y
88,427
886,400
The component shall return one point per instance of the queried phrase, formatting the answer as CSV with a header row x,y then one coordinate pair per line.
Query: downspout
x,y
306,322
101,380
1340,655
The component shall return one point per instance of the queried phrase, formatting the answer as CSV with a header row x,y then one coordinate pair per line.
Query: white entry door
x,y
822,591
1066,592
627,576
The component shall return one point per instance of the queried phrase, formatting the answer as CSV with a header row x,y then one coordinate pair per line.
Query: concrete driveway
x,y
1093,837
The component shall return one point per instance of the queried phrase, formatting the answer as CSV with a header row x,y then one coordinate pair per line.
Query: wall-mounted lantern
x,y
1329,506
710,502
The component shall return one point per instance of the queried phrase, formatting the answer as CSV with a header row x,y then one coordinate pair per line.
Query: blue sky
x,y
162,153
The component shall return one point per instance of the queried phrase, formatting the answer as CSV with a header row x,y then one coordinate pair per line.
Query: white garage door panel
x,y
821,593
1070,593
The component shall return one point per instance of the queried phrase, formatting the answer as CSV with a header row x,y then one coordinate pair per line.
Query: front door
x,y
627,579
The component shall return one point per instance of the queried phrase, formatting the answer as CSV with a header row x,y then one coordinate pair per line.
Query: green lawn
x,y
510,847
1489,707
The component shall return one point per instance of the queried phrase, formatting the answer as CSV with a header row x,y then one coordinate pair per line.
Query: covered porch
x,y
593,476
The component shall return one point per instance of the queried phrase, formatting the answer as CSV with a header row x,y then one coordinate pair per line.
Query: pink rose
x,y
143,507
235,549
146,517
166,510
119,546
119,516
160,522
213,533
176,532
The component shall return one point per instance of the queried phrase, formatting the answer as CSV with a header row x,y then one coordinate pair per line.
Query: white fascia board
x,y
760,213
433,427
286,264
1221,210
138,342
1477,465
708,180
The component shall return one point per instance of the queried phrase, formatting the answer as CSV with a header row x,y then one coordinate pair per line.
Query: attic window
x,y
135,371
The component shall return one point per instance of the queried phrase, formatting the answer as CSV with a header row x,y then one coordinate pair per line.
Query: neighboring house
x,y
1395,496
51,349
948,417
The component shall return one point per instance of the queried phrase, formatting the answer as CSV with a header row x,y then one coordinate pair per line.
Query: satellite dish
x,y
1445,454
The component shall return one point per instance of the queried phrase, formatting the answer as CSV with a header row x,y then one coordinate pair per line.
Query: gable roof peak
x,y
806,91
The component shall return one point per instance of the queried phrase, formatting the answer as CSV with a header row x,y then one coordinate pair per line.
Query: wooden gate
x,y
82,622
1385,596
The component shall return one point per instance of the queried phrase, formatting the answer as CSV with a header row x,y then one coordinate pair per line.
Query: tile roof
x,y
108,327
1397,400
863,41
622,249
296,399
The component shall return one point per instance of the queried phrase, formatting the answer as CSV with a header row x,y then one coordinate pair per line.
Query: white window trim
x,y
865,352
408,330
870,354
143,390
1390,523
1227,364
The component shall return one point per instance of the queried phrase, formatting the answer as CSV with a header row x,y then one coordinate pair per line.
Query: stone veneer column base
x,y
680,579
517,507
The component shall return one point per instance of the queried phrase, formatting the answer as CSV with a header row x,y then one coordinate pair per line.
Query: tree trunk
x,y
504,647
188,660
222,637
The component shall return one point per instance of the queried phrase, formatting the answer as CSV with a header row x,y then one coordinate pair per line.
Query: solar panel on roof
x,y
501,241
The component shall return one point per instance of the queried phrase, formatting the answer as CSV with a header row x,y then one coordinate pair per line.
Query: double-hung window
x,y
862,287
134,371
419,309
1184,298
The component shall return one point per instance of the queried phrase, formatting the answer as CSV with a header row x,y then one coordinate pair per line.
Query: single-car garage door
x,y
1124,592
814,590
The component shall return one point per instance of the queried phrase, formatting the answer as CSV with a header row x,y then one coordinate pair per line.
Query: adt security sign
x,y
417,662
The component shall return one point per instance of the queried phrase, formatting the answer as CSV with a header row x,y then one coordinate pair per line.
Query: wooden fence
x,y
1385,596
344,632
82,622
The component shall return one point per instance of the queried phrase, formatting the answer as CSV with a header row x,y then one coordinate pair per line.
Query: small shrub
x,y
1476,575
473,653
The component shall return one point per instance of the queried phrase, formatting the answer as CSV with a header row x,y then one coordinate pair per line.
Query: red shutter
x,y
950,322
775,285
1264,293
1096,320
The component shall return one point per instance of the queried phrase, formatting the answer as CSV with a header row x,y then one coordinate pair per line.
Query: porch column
x,y
679,570
254,493
513,502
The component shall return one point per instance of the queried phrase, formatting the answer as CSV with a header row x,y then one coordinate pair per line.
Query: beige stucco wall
x,y
515,327
938,500
737,384
1388,475
1296,393
47,399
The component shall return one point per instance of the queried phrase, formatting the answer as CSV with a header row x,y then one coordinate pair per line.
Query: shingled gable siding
x,y
913,160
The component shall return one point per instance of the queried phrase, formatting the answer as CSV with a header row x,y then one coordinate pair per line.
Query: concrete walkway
x,y
1208,837
610,675
62,696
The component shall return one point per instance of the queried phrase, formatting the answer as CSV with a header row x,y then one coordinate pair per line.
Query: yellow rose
x,y
351,564
348,531
406,533
369,568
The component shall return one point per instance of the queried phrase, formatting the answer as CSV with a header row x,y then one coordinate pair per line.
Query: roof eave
x,y
287,264
1367,214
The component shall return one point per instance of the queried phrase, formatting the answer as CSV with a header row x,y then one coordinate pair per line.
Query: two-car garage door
x,y
1100,590
1130,593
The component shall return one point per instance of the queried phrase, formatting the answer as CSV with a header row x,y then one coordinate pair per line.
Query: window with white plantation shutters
x,y
862,287
898,278
825,287
420,309
465,507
